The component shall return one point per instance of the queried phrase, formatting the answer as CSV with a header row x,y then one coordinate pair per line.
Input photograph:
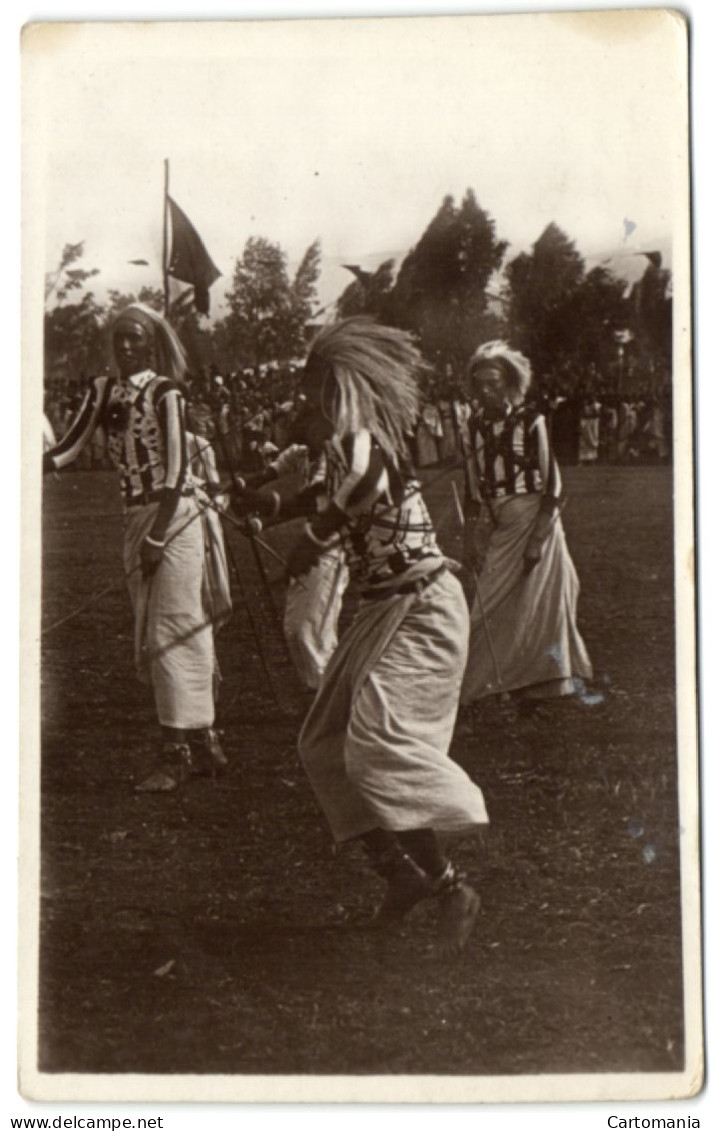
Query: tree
x,y
540,288
224,349
116,301
73,341
650,319
440,293
596,313
64,278
259,302
72,330
268,314
304,296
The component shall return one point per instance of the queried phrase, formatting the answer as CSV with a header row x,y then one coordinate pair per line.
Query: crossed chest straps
x,y
397,537
501,447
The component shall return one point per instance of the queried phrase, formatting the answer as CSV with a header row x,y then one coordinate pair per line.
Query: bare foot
x,y
458,909
174,767
160,781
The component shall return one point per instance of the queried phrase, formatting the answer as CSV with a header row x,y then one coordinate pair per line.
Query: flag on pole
x,y
189,261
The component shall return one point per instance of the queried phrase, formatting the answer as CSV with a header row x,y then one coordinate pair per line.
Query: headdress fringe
x,y
376,369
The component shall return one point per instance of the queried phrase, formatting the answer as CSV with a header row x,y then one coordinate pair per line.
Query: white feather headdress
x,y
376,370
514,365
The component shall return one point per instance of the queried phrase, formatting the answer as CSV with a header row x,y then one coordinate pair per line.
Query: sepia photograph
x,y
359,752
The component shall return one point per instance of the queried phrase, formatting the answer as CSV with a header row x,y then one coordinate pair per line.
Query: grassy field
x,y
211,931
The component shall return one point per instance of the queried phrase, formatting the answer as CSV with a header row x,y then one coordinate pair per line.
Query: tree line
x,y
582,328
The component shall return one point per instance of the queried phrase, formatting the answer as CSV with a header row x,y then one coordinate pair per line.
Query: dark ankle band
x,y
424,848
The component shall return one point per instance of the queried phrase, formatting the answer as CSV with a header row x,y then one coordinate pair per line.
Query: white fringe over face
x,y
376,370
170,357
516,367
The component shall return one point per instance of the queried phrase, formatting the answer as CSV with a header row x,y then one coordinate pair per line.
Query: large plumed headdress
x,y
514,366
170,357
376,370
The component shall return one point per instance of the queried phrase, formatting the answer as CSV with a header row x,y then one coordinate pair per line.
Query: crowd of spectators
x,y
247,414
613,428
586,428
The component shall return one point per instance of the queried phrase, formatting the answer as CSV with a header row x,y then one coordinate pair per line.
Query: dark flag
x,y
654,257
189,261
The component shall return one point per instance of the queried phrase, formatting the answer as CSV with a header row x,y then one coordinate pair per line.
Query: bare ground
x,y
212,931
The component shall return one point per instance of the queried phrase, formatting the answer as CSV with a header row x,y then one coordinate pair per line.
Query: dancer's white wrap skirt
x,y
313,606
174,647
523,627
375,744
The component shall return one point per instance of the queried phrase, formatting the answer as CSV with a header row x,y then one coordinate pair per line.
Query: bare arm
x,y
80,430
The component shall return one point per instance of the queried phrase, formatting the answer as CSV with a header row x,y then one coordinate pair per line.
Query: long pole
x,y
225,452
166,292
260,569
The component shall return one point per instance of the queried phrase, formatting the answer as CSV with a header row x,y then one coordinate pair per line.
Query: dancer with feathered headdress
x,y
141,408
375,742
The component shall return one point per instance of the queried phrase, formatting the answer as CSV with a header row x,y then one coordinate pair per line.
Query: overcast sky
x,y
353,132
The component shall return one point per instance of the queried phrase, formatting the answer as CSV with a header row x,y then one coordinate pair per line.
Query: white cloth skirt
x,y
313,606
375,744
174,648
523,629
